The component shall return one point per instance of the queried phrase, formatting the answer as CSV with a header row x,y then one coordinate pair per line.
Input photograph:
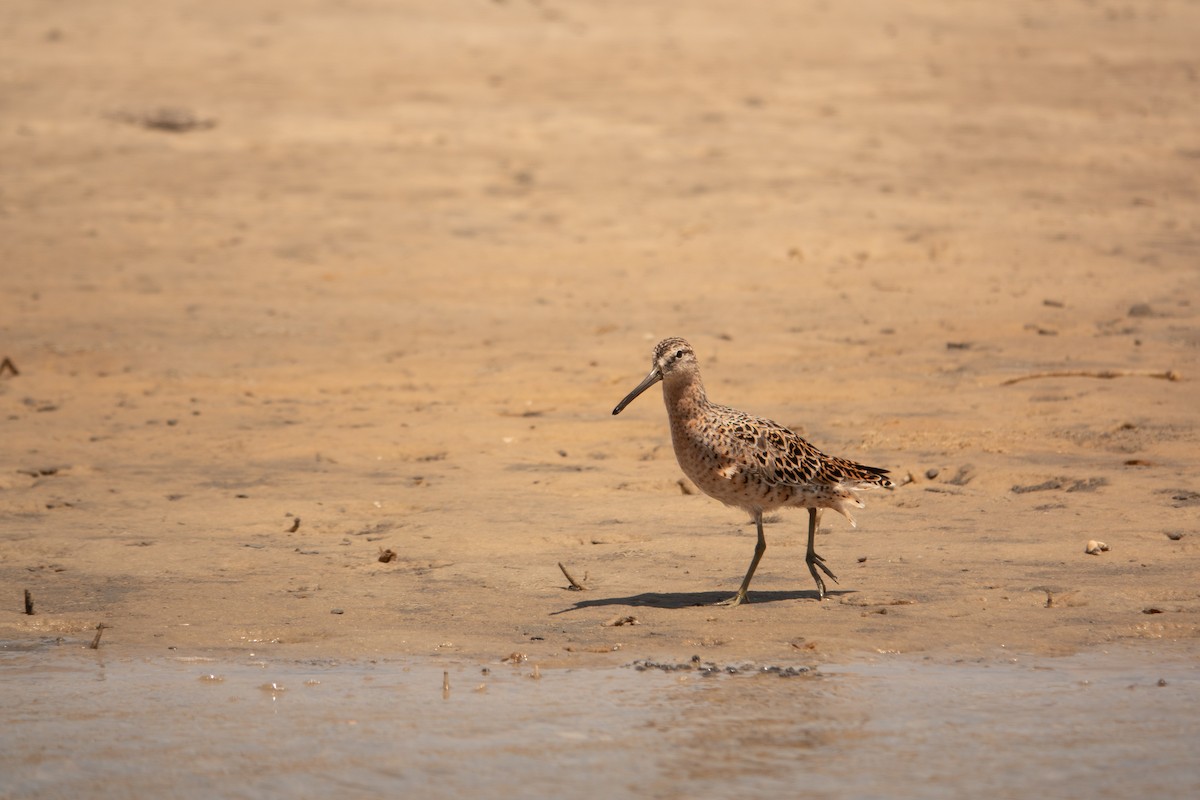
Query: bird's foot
x,y
816,562
819,562
736,600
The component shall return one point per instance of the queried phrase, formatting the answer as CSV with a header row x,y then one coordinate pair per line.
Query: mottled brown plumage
x,y
751,462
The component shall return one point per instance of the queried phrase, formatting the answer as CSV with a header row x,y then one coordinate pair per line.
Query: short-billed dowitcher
x,y
750,462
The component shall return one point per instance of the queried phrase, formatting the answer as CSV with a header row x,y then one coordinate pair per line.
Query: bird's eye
x,y
678,354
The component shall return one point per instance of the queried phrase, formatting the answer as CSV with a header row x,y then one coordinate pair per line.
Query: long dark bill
x,y
654,377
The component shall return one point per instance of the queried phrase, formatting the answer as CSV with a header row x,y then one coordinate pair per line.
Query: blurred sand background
x,y
289,284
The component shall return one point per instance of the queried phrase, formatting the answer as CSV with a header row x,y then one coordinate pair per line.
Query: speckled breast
x,y
707,459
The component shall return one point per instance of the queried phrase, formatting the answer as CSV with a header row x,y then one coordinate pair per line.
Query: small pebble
x,y
1095,548
336,611
931,473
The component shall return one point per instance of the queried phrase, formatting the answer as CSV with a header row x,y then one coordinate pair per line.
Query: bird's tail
x,y
858,476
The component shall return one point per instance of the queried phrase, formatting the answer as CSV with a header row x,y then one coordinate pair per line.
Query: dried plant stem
x,y
576,586
95,645
1106,374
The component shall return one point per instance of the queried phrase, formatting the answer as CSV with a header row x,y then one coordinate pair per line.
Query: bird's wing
x,y
774,455
771,454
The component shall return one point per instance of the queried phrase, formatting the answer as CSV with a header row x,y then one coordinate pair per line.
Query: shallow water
x,y
82,723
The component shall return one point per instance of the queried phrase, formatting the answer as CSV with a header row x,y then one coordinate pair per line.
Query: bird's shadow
x,y
688,599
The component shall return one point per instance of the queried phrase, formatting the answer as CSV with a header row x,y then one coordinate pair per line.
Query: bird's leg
x,y
813,560
759,549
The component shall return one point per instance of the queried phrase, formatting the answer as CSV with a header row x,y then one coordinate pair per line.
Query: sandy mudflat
x,y
289,284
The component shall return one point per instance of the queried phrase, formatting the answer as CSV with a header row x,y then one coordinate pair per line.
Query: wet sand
x,y
377,276
1103,724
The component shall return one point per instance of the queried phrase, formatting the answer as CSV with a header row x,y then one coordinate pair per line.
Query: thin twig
x,y
28,602
575,586
1169,375
95,645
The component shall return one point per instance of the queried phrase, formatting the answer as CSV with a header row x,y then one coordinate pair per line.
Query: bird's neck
x,y
684,395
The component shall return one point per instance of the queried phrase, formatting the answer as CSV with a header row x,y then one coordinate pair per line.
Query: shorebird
x,y
750,462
